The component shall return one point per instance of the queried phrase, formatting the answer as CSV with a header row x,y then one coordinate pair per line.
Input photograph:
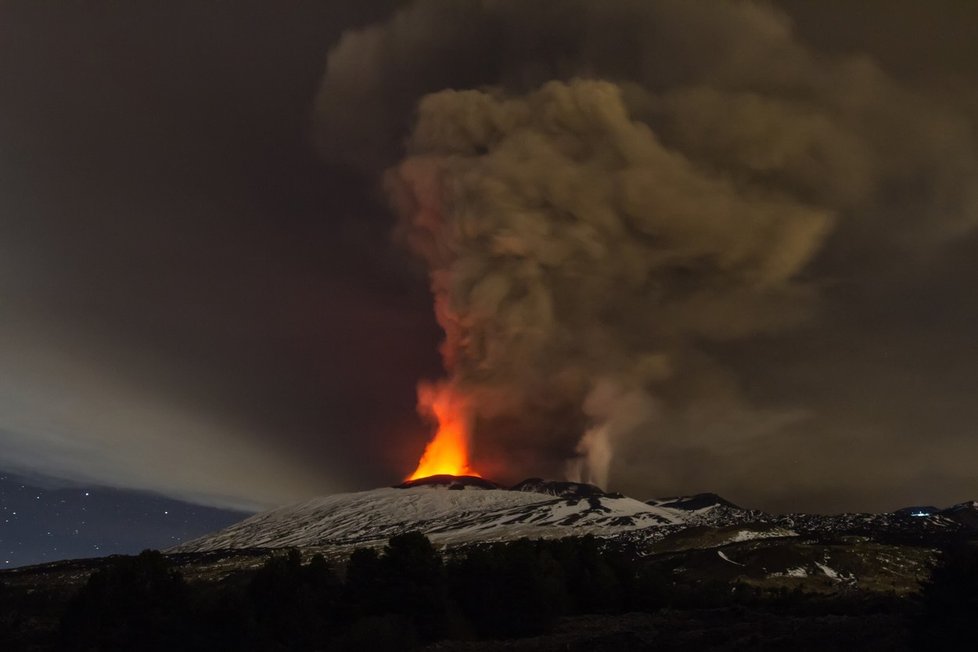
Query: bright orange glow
x,y
448,452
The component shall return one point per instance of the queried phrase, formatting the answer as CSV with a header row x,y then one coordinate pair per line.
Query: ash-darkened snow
x,y
457,511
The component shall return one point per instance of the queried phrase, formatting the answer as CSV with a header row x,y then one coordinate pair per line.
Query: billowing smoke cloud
x,y
605,192
567,245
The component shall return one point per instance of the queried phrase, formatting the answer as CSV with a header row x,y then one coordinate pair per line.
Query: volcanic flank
x,y
449,510
460,510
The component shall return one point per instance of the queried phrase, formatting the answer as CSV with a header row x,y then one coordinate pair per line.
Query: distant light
x,y
919,514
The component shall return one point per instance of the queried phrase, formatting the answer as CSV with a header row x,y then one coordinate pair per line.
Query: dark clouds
x,y
670,210
194,303
189,295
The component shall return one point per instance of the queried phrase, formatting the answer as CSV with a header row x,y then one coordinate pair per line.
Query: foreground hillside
x,y
567,594
460,563
713,538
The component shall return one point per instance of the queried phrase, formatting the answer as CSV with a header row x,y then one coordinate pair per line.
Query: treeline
x,y
397,598
949,603
408,595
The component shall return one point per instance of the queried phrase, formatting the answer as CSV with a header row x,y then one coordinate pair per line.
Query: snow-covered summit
x,y
535,508
454,510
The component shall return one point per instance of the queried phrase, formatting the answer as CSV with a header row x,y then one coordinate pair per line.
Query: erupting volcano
x,y
448,452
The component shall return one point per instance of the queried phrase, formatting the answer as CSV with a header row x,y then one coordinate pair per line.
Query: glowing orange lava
x,y
448,452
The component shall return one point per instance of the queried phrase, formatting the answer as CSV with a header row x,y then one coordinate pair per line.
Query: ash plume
x,y
602,192
566,245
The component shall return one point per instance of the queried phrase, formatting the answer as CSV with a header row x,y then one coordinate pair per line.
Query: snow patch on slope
x,y
751,535
445,516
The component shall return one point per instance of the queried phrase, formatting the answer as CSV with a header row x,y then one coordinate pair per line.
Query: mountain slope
x,y
454,510
449,513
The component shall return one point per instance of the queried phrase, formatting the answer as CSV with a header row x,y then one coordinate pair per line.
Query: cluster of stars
x,y
42,524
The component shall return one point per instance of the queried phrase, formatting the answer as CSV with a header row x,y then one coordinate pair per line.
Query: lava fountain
x,y
448,452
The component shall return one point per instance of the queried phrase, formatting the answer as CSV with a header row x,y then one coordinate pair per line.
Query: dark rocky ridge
x,y
965,514
456,482
694,502
559,488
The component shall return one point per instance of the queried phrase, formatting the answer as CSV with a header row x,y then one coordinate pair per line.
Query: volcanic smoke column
x,y
573,258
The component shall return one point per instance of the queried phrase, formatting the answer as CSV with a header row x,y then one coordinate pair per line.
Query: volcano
x,y
449,510
460,510
702,537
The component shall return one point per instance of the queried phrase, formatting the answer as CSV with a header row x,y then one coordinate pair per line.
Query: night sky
x,y
209,290
46,523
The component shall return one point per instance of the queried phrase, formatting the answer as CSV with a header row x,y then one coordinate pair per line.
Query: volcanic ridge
x,y
458,510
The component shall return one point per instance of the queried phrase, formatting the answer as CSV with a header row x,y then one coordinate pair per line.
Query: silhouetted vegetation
x,y
392,599
131,603
519,588
950,602
409,594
